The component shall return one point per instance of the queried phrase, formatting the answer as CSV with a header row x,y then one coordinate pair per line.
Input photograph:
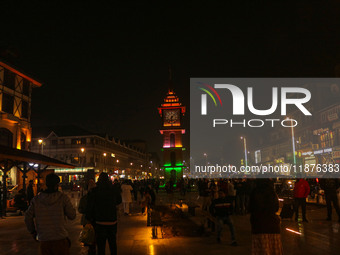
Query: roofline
x,y
28,156
35,82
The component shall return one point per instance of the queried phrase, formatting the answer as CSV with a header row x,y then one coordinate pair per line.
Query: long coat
x,y
126,193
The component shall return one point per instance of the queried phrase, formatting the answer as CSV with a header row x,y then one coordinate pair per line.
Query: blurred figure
x,y
157,185
30,192
102,212
82,209
20,201
265,224
126,196
222,208
330,187
146,201
135,190
301,192
45,218
203,190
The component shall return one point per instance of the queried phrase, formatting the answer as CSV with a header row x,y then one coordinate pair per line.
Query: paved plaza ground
x,y
134,237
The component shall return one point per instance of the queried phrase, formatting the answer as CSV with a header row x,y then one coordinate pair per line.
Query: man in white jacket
x,y
45,218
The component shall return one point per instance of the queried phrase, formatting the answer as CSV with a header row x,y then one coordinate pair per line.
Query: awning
x,y
24,161
7,153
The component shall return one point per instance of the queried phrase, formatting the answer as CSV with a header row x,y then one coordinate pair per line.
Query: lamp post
x,y
104,154
82,170
41,142
293,139
206,158
245,150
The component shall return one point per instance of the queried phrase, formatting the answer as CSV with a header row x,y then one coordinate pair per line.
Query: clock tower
x,y
172,112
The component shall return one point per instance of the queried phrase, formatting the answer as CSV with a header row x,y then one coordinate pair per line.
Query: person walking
x,y
222,208
30,192
45,218
204,193
301,192
82,209
102,212
330,186
20,201
265,224
126,196
135,190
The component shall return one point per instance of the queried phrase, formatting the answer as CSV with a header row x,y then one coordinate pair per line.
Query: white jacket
x,y
48,210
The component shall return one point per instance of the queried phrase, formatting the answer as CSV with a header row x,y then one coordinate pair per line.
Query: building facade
x,y
90,153
316,138
15,111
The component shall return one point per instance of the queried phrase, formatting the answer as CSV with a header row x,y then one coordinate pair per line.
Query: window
x,y
172,140
62,141
75,141
6,137
24,109
54,142
26,87
9,79
7,103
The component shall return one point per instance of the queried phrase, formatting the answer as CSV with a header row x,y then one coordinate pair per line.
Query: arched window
x,y
173,158
6,137
172,140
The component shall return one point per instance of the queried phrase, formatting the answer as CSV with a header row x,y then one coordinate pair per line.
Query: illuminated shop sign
x,y
318,152
320,131
306,153
327,150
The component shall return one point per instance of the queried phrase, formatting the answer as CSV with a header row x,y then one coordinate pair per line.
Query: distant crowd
x,y
45,213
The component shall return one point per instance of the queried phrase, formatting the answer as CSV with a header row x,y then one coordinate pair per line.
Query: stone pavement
x,y
134,237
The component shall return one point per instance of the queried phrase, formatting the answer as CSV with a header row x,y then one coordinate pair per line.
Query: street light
x,y
82,150
293,139
245,150
104,154
41,142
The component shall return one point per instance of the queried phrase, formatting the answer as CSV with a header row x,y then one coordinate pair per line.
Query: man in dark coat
x,y
102,212
265,224
222,208
330,186
30,192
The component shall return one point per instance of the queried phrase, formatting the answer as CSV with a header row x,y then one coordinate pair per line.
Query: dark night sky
x,y
105,66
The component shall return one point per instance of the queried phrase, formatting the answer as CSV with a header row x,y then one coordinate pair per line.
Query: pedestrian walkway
x,y
134,237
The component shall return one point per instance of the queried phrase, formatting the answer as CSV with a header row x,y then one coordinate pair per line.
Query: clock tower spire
x,y
172,111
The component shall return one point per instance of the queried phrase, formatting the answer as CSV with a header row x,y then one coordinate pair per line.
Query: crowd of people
x,y
45,213
259,198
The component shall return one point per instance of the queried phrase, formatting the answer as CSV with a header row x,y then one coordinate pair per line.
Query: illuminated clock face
x,y
171,116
